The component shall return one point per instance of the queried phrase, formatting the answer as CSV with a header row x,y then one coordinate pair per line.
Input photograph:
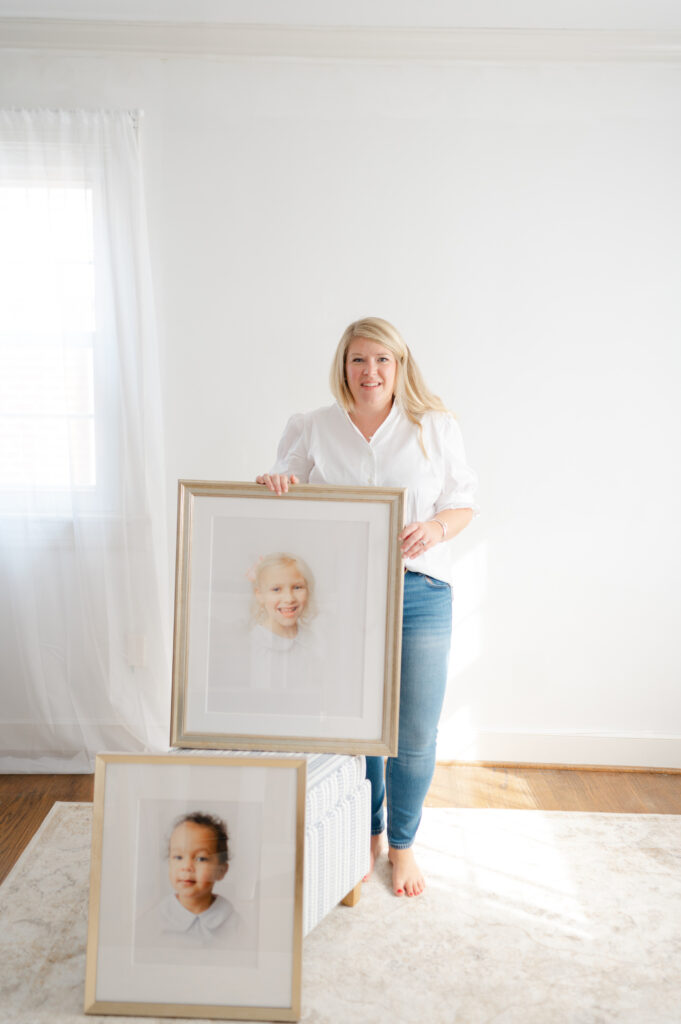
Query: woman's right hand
x,y
277,482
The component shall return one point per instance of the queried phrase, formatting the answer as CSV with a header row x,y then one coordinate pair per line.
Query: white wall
x,y
520,223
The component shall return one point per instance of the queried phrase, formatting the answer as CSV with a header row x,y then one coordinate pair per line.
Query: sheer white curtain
x,y
84,590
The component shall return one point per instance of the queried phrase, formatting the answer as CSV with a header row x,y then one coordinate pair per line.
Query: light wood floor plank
x,y
556,789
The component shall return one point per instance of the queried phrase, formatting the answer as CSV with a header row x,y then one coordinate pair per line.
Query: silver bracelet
x,y
443,525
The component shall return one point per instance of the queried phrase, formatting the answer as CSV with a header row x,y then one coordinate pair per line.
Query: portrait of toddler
x,y
191,915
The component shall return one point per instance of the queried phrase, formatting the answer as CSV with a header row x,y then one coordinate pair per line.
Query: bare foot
x,y
407,877
374,852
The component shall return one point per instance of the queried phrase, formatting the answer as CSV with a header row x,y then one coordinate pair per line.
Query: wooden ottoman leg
x,y
352,898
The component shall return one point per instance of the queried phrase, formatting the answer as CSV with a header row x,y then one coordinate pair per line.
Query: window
x,y
49,413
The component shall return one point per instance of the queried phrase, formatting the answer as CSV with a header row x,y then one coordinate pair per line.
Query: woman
x,y
388,430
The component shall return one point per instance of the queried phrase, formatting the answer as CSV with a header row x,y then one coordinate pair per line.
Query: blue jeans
x,y
426,634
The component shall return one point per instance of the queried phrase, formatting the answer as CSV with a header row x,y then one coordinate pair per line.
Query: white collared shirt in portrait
x,y
171,925
285,662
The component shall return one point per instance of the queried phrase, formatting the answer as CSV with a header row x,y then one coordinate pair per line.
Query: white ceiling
x,y
617,15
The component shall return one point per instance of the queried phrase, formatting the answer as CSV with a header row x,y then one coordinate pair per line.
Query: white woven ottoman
x,y
337,827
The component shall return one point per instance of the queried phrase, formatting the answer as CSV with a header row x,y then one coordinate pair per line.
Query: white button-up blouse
x,y
325,447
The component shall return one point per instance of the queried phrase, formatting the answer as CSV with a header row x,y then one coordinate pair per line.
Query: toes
x,y
410,888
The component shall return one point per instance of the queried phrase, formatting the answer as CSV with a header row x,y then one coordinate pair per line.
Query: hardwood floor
x,y
26,799
616,791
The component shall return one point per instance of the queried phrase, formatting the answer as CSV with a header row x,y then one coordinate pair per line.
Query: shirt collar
x,y
392,415
178,919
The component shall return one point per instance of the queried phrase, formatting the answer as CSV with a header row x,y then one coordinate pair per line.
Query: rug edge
x,y
25,855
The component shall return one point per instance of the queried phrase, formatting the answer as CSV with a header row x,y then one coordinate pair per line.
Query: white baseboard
x,y
61,747
18,751
634,751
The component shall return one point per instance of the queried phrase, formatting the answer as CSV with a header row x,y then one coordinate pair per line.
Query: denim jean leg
x,y
375,773
426,635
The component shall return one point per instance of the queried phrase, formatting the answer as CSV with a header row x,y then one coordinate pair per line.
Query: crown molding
x,y
335,43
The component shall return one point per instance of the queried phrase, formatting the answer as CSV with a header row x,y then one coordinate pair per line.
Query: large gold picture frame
x,y
288,618
146,954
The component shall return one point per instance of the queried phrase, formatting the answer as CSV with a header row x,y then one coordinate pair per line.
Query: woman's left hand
x,y
419,537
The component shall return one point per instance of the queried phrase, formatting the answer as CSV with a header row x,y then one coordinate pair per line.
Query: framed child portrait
x,y
288,618
196,886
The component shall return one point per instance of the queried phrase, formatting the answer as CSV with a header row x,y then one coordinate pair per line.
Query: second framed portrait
x,y
288,612
196,886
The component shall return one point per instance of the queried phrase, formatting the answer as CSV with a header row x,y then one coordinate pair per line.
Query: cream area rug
x,y
529,918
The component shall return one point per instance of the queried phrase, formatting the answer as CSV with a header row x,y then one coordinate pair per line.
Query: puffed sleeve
x,y
459,480
293,456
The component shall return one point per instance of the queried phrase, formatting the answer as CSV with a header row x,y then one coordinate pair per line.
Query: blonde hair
x,y
258,613
411,391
